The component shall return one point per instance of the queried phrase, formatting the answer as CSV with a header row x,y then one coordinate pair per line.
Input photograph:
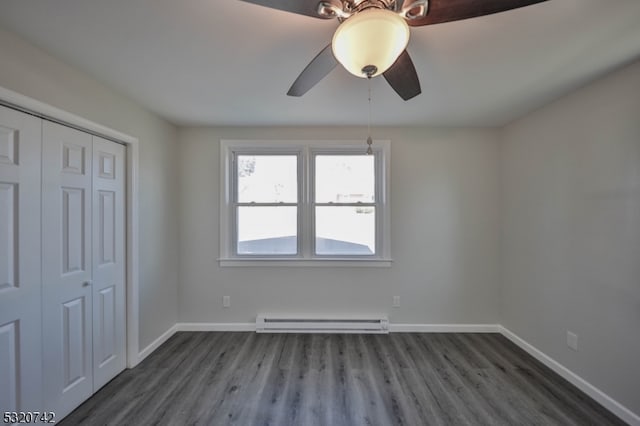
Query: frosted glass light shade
x,y
371,37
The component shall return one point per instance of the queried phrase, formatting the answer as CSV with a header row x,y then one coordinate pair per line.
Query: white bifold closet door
x,y
109,325
20,315
83,265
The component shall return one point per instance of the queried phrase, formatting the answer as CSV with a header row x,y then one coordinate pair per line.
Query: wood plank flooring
x,y
199,378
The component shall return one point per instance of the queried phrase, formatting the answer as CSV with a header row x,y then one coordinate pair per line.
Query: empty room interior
x,y
337,212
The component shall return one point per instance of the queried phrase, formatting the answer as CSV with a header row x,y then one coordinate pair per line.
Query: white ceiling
x,y
212,62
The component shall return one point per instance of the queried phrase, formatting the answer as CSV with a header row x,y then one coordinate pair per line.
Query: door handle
x,y
86,284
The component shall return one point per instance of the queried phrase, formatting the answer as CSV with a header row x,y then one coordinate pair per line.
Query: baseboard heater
x,y
277,324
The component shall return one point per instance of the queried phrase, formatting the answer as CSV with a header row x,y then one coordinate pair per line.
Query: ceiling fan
x,y
373,35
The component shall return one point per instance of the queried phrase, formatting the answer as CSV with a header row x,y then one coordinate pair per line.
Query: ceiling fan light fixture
x,y
370,38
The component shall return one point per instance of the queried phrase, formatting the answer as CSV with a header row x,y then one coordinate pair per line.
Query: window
x,y
304,203
344,204
266,204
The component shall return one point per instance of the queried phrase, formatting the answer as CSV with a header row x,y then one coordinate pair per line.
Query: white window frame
x,y
306,152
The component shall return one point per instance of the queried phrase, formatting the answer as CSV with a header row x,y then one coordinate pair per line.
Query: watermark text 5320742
x,y
17,417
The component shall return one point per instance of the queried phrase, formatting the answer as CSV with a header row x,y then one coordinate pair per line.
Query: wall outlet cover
x,y
572,340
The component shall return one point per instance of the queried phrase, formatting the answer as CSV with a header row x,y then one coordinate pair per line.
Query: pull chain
x,y
369,140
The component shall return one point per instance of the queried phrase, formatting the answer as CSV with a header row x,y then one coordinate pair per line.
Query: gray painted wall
x,y
30,71
571,231
444,235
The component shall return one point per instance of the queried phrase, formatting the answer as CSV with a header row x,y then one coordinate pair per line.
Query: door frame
x,y
45,111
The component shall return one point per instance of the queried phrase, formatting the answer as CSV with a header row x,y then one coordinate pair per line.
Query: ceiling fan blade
x,y
454,10
402,77
301,7
318,68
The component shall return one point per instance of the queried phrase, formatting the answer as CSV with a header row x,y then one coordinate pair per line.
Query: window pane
x,y
345,178
267,178
267,230
345,230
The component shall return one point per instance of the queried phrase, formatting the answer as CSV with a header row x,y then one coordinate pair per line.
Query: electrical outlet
x,y
396,301
572,340
226,301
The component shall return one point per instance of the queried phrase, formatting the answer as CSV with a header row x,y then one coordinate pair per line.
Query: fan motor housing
x,y
343,9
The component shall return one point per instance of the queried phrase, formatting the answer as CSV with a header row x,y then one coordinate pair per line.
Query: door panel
x,y
73,224
8,235
20,315
106,227
9,365
106,350
67,269
75,343
109,337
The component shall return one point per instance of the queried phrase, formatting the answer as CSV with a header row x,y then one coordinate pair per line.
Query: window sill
x,y
296,262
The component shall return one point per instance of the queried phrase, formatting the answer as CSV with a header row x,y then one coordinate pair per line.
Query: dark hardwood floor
x,y
317,379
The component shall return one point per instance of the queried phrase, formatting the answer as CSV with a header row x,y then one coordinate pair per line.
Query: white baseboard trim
x,y
216,326
156,343
393,328
605,400
444,328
